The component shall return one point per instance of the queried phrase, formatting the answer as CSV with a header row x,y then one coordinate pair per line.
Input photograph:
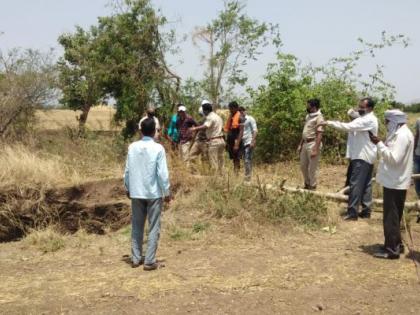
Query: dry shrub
x,y
24,168
47,240
229,198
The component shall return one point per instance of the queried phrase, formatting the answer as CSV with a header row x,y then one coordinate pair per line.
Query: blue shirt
x,y
173,132
146,172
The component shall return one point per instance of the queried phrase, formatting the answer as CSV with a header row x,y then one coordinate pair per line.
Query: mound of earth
x,y
93,206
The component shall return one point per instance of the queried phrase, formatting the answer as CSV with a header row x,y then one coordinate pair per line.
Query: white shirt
x,y
250,127
361,148
146,171
396,163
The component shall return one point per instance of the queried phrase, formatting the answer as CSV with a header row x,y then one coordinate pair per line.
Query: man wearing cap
x,y
213,126
362,154
394,174
151,113
184,123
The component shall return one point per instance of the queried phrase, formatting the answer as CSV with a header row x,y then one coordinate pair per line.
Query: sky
x,y
314,31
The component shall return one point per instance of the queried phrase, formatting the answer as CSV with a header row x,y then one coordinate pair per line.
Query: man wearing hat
x,y
394,174
184,123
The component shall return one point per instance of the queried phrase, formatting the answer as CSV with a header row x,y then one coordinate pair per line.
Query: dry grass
x,y
25,168
100,118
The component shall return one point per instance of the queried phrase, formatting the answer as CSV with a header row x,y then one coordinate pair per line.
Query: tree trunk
x,y
83,118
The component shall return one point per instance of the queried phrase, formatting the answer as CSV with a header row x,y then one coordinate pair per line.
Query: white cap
x,y
205,102
182,109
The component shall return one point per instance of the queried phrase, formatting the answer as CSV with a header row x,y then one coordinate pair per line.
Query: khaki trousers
x,y
308,165
199,148
216,152
184,151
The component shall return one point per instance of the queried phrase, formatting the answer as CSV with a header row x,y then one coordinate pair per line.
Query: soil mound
x,y
94,206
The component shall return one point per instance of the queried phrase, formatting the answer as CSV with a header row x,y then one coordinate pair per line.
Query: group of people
x,y
363,148
147,181
146,176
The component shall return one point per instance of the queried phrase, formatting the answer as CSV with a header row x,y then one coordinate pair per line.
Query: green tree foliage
x,y
279,106
81,71
232,39
122,57
132,45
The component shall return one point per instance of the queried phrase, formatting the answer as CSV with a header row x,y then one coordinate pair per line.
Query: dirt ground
x,y
229,267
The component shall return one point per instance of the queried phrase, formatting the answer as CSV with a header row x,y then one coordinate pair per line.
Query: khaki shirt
x,y
214,124
310,130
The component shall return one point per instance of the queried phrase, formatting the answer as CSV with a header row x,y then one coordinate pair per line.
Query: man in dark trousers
x,y
362,154
234,129
394,174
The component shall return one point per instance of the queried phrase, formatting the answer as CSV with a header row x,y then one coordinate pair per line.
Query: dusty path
x,y
214,272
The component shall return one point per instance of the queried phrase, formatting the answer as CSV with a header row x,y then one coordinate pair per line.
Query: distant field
x,y
100,118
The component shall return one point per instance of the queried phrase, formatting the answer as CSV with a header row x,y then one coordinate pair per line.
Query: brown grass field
x,y
225,250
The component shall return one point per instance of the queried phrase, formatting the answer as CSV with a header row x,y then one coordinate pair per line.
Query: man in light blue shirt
x,y
249,139
146,180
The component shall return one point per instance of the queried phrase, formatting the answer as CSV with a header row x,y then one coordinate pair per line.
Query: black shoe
x,y
386,255
349,217
402,248
364,215
137,264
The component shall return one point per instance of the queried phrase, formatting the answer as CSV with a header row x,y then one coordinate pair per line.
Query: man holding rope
x,y
394,174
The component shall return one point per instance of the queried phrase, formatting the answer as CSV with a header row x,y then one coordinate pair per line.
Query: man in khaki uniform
x,y
216,144
310,145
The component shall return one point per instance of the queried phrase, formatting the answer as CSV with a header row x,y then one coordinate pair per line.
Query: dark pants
x,y
360,187
248,161
417,171
394,200
348,175
230,144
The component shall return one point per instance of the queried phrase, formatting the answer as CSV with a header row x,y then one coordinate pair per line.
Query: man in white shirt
x,y
249,140
362,154
353,114
394,174
151,113
146,180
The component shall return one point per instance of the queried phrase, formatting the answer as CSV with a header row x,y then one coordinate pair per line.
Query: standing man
x,y
146,180
417,157
362,154
151,113
172,131
214,133
183,124
310,146
249,140
394,174
234,128
353,114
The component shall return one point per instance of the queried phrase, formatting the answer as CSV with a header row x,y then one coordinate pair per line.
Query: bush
x,y
280,107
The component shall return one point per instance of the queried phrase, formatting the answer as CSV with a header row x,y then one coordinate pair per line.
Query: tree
x,y
132,45
81,72
27,81
232,39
